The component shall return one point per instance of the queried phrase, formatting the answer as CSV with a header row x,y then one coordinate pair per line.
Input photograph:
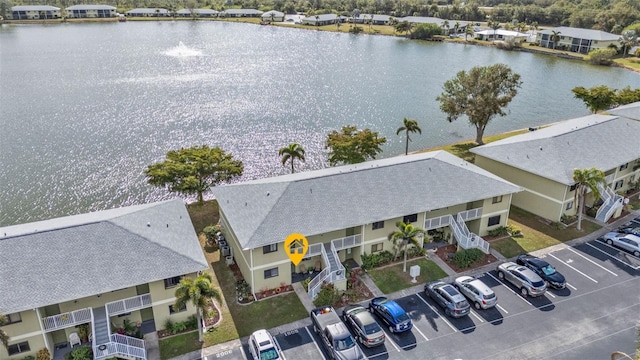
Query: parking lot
x,y
593,316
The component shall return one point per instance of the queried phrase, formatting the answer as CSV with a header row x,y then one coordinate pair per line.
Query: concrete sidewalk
x,y
451,275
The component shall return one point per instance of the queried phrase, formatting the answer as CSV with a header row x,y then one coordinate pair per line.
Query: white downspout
x,y
44,334
253,291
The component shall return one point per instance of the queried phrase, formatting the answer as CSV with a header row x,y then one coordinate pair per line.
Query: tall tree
x,y
468,30
291,153
4,337
587,179
401,238
628,39
410,126
495,25
404,27
352,146
555,37
199,292
480,94
596,98
194,170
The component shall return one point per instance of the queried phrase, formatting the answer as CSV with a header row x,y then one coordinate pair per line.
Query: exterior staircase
x,y
107,345
332,272
465,238
101,325
612,202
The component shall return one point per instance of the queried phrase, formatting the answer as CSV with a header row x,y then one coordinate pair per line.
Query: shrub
x,y
192,322
499,231
426,31
464,258
305,284
356,30
375,260
601,56
178,327
210,232
168,324
327,295
43,354
514,231
30,357
80,353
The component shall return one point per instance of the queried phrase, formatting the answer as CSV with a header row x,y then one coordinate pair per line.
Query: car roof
x,y
482,287
538,262
393,307
364,317
263,339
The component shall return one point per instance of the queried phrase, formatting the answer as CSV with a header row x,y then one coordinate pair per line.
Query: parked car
x,y
523,278
627,242
545,270
391,314
363,326
264,346
478,292
450,299
630,230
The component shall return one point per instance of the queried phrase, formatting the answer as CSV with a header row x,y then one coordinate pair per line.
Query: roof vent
x,y
540,148
167,225
311,190
527,156
268,193
148,224
245,203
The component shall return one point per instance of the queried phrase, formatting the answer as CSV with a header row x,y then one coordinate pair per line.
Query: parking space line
x,y
476,316
501,308
392,342
550,294
615,258
437,313
576,270
513,292
572,287
242,353
314,341
593,262
616,249
423,335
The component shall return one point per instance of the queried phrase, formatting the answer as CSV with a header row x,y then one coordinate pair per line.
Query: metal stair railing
x,y
316,282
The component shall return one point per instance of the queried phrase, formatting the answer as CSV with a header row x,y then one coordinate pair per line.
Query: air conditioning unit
x,y
225,250
229,260
222,243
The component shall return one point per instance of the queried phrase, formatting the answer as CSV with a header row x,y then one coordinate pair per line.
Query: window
x,y
183,308
171,282
378,225
410,218
494,220
269,248
622,167
569,205
14,318
497,199
376,248
618,184
271,273
573,187
19,348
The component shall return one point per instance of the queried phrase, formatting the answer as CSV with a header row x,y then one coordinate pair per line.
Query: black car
x,y
630,230
545,270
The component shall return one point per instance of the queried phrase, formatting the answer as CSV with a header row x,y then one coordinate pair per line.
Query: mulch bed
x,y
445,253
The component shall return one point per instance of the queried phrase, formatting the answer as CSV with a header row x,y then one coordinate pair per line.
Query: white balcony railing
x,y
437,222
347,242
121,345
68,319
128,305
314,249
471,214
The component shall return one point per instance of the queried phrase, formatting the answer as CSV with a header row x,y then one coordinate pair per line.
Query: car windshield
x,y
548,270
538,284
346,343
269,354
402,317
371,329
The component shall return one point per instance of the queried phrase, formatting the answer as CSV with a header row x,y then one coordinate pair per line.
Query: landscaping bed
x,y
446,254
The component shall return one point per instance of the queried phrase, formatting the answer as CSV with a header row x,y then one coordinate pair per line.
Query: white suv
x,y
627,242
263,346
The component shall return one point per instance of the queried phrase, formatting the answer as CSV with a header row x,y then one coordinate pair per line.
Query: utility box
x,y
414,272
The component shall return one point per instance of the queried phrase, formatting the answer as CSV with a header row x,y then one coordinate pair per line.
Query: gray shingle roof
x,y
243,11
91,7
68,258
554,152
582,33
147,11
197,11
34,8
265,211
631,111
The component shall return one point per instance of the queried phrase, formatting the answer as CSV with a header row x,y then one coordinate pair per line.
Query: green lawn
x,y
203,215
179,345
461,149
263,314
391,278
536,234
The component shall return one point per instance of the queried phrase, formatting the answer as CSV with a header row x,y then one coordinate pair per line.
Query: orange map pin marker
x,y
296,246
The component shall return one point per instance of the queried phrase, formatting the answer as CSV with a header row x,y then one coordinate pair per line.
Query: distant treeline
x,y
607,15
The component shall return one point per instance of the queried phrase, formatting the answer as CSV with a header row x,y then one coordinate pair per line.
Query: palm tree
x,y
587,179
200,292
317,20
456,27
555,37
410,126
495,26
445,27
405,234
290,153
4,337
628,39
468,30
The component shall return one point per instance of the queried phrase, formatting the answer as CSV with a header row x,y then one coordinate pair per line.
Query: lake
x,y
86,107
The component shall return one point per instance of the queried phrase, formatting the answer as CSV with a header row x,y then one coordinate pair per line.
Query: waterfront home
x,y
201,13
98,269
374,19
273,16
323,19
240,13
148,12
349,210
542,163
34,12
577,39
501,35
90,11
